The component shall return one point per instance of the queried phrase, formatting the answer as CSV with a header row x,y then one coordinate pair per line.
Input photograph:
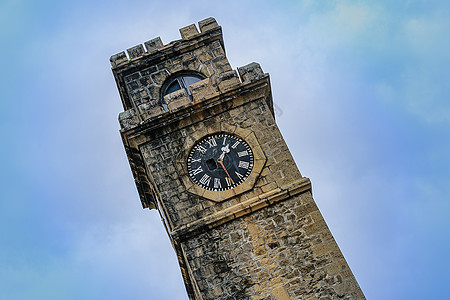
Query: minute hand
x,y
220,161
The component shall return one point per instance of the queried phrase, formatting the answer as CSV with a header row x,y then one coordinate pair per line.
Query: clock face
x,y
220,162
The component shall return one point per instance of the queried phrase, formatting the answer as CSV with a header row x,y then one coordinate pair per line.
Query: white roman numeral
x,y
212,143
227,180
205,179
239,174
242,153
198,170
195,160
235,144
201,149
244,164
217,184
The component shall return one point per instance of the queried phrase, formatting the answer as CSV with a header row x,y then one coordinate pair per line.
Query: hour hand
x,y
225,149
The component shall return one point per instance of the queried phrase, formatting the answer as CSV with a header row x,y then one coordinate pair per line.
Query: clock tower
x,y
205,151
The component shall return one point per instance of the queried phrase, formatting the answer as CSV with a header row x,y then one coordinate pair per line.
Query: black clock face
x,y
220,162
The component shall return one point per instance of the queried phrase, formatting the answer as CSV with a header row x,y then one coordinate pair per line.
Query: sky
x,y
362,90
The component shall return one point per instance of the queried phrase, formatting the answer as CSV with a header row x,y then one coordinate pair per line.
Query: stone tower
x,y
205,151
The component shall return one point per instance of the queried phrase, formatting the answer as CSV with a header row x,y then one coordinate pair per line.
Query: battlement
x,y
156,45
144,71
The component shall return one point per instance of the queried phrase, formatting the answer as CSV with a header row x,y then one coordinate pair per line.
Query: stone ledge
x,y
246,207
152,120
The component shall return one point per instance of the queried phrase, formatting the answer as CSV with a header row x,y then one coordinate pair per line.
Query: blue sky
x,y
363,88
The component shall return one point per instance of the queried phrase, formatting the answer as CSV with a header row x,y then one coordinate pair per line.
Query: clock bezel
x,y
198,170
259,160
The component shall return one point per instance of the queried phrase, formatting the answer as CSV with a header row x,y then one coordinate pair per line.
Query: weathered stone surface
x,y
177,99
251,72
136,51
188,32
202,90
207,24
144,85
153,45
128,119
226,81
118,59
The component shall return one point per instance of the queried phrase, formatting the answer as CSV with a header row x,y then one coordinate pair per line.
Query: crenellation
x,y
153,45
188,32
118,59
207,24
251,72
136,51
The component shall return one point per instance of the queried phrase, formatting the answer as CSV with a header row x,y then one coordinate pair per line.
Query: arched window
x,y
182,81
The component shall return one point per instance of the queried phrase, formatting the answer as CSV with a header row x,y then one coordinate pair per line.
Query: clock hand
x,y
221,156
219,160
225,149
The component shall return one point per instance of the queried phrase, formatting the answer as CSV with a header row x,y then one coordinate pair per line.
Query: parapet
x,y
201,91
156,45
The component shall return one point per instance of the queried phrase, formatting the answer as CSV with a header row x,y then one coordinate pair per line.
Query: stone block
x,y
202,90
226,81
118,59
250,72
207,24
148,111
136,51
221,64
128,119
191,64
188,32
325,248
160,77
218,52
204,57
177,99
153,45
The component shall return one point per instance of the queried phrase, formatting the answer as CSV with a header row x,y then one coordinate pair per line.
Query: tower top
x,y
160,85
144,72
155,48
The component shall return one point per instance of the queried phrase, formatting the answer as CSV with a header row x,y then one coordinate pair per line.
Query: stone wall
x,y
284,251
